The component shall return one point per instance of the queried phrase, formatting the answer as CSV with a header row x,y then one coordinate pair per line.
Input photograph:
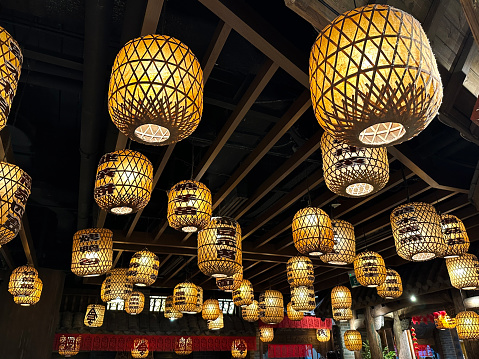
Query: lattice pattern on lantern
x,y
293,314
185,297
463,271
392,286
344,250
341,297
135,303
266,334
353,171
250,313
140,348
342,314
95,313
156,90
300,271
373,77
448,322
69,345
467,325
455,235
271,307
443,321
22,281
189,206
211,309
239,349
33,297
417,232
15,187
323,335
199,300
352,340
244,295
302,298
116,287
92,253
312,231
370,269
143,268
230,284
124,181
216,324
170,311
183,346
11,60
219,248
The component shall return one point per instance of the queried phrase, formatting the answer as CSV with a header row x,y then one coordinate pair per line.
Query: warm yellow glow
x,y
116,287
33,297
312,232
271,307
140,348
455,235
341,297
216,324
463,271
342,314
300,271
352,340
244,295
370,269
323,335
134,303
239,349
266,334
69,345
22,281
293,314
143,269
303,298
467,325
250,313
392,286
184,346
344,250
92,252
211,309
170,311
185,297
95,313
230,284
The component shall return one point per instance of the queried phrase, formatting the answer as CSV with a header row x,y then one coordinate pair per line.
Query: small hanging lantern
x,y
33,297
463,271
244,295
230,284
323,335
448,322
170,311
312,232
344,250
293,314
92,253
266,334
135,303
116,287
69,345
467,325
239,349
124,181
342,314
211,309
185,297
300,271
392,286
341,297
22,281
370,269
271,307
140,348
302,298
250,313
352,340
183,346
455,235
189,206
216,324
199,300
219,248
95,313
143,268
417,232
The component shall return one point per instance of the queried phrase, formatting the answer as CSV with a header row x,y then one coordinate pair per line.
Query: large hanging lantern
x,y
312,232
302,298
124,181
170,311
266,334
271,307
323,335
352,340
417,232
219,248
33,297
244,295
464,271
344,250
250,313
185,297
95,313
211,309
183,346
22,281
143,268
373,77
370,269
92,253
341,297
392,286
293,315
135,303
230,284
189,206
455,235
300,271
140,348
216,324
239,349
342,314
353,171
69,345
467,325
116,287
156,90
15,187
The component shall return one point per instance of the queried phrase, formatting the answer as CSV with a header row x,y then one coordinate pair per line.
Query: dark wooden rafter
x,y
472,15
214,49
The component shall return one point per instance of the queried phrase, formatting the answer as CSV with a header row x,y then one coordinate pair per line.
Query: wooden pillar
x,y
373,337
397,331
471,346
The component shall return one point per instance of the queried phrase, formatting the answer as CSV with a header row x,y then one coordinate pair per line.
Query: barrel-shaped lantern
x,y
92,253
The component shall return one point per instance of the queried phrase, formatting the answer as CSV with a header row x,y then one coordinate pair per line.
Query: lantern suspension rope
x,y
406,184
329,7
192,160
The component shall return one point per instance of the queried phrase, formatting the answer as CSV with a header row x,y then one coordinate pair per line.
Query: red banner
x,y
424,350
290,351
305,323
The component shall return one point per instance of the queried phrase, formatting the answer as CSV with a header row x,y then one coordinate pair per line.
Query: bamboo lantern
x,y
33,297
312,232
230,284
455,235
370,269
124,181
439,323
266,334
15,187
143,268
352,340
135,303
116,287
22,281
448,322
467,325
92,253
271,307
302,298
216,324
344,250
183,346
392,286
464,271
170,311
219,248
342,314
373,77
250,313
95,313
323,335
156,90
417,232
239,349
69,345
300,271
199,300
140,348
353,171
244,295
185,297
211,309
293,315
341,297
189,206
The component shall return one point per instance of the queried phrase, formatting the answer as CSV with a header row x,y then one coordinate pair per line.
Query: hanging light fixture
x,y
312,232
33,297
15,184
140,348
463,271
266,334
344,250
250,313
184,346
244,295
230,284
219,248
124,181
116,287
22,281
467,325
293,315
417,232
271,307
300,271
143,269
69,345
171,312
352,340
342,314
95,313
387,97
455,235
156,90
92,253
448,322
189,206
302,298
134,303
323,335
239,349
341,297
211,309
392,286
199,300
370,269
216,324
185,297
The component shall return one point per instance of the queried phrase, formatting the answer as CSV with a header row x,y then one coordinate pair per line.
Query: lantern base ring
x,y
423,256
452,256
140,284
152,133
189,229
25,305
316,253
381,134
372,286
219,275
337,263
121,210
359,189
469,288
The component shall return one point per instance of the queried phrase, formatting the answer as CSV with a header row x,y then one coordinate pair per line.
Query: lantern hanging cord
x,y
405,184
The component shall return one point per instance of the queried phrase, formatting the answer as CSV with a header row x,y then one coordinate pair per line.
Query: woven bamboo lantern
x,y
323,335
189,206
216,324
455,235
184,346
302,298
373,77
15,187
135,303
353,171
170,311
11,60
344,250
271,307
199,300
266,334
448,322
92,253
244,295
143,268
69,345
22,281
239,349
392,286
293,314
219,248
95,313
185,297
156,90
370,269
33,297
300,271
124,181
341,297
250,313
352,340
211,309
464,271
342,314
116,287
140,348
312,232
417,232
467,325
230,284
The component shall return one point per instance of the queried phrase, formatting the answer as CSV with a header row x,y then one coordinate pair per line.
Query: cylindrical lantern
x,y
392,286
92,253
467,325
293,314
134,303
156,90
183,346
230,284
239,349
140,348
199,300
185,297
352,340
211,309
312,231
302,298
464,271
323,335
22,281
33,297
266,334
189,206
417,232
369,84
341,297
455,235
216,324
143,268
300,271
95,313
244,295
15,187
370,269
170,311
344,250
271,307
116,287
124,181
250,313
342,314
353,171
69,345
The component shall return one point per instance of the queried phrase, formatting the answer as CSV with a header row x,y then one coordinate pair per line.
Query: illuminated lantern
x,y
300,271
22,281
344,250
417,232
95,313
69,345
464,271
244,295
183,346
342,314
271,307
369,84
230,284
92,253
266,334
143,268
219,248
211,309
135,303
352,340
312,232
467,325
323,335
116,287
370,269
216,324
189,206
302,299
293,314
170,311
392,286
455,235
140,348
199,300
448,322
124,181
185,297
341,297
33,297
239,349
250,313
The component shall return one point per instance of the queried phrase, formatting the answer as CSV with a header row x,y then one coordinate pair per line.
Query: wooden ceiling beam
x,y
217,43
7,257
180,268
312,11
472,15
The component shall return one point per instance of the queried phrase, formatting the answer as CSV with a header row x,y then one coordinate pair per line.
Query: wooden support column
x,y
397,331
373,336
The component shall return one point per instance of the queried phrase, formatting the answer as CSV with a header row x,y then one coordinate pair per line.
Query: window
x,y
115,305
226,305
157,303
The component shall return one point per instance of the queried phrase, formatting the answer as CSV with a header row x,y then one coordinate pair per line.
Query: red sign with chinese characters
x,y
290,351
